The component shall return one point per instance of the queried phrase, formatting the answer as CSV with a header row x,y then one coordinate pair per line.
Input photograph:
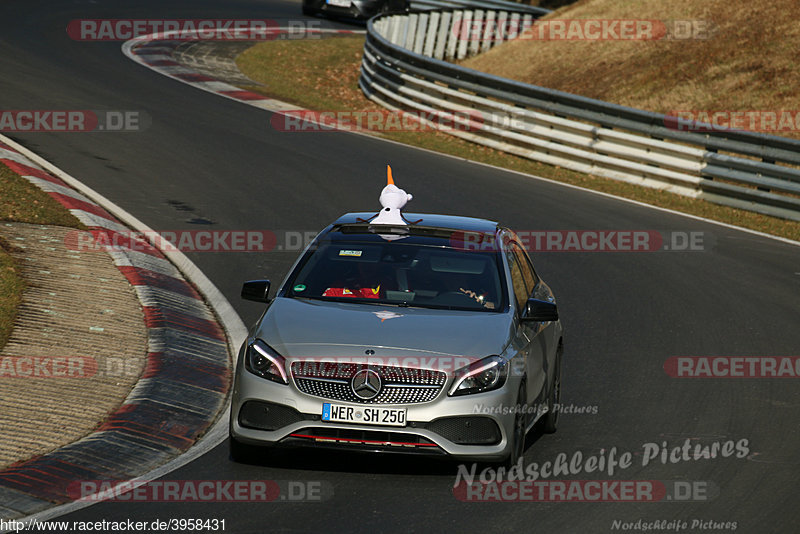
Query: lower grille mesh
x,y
467,430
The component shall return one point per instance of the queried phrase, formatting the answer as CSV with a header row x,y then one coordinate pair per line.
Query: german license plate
x,y
339,3
369,415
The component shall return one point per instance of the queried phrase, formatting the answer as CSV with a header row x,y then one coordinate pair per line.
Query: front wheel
x,y
550,419
520,428
241,453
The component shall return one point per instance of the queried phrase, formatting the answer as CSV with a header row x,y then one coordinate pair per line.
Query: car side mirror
x,y
256,290
540,311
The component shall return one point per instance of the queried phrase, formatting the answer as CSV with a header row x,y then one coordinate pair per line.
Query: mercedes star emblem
x,y
366,384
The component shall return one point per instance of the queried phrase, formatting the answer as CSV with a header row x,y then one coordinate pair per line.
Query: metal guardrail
x,y
405,67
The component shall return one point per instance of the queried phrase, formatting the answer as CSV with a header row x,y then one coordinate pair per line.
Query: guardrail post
x,y
411,31
380,27
443,37
464,35
452,39
513,27
395,27
430,38
475,35
527,22
502,27
422,28
487,35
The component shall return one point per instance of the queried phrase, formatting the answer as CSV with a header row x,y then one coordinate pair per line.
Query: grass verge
x,y
11,286
21,202
715,55
323,75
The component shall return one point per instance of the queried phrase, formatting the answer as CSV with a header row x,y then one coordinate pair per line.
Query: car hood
x,y
299,328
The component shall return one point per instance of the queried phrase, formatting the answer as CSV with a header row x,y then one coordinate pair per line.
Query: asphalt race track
x,y
216,162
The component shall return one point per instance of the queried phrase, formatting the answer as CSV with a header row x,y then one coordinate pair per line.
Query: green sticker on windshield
x,y
300,287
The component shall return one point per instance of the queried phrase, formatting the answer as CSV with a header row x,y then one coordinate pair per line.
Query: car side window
x,y
517,280
528,273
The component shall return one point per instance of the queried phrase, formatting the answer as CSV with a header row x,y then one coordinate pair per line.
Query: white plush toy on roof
x,y
392,199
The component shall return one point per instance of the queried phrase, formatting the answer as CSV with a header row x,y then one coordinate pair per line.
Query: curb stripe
x,y
27,170
138,276
183,344
161,318
51,186
194,77
9,154
133,258
168,300
184,386
207,374
244,95
80,205
118,239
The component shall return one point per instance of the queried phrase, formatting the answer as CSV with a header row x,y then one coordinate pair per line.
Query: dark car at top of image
x,y
357,9
411,333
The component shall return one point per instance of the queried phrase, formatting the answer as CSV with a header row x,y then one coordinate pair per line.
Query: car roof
x,y
429,220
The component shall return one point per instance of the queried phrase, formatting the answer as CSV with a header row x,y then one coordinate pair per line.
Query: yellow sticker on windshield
x,y
355,253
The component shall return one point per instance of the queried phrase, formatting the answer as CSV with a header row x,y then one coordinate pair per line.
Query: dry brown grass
x,y
750,61
21,201
322,76
11,286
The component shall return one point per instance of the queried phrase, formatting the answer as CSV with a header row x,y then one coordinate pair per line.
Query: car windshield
x,y
400,273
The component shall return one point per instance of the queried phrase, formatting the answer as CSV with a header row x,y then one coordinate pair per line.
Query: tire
x,y
520,429
242,453
550,419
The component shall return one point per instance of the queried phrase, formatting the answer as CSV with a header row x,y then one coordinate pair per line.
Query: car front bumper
x,y
459,426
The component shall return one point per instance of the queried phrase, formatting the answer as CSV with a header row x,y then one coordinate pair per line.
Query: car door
x,y
549,332
530,342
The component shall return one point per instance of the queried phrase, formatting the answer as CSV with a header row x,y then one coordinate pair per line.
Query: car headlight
x,y
484,375
262,360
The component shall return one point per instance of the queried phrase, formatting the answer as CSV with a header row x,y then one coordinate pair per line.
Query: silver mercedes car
x,y
358,9
435,336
